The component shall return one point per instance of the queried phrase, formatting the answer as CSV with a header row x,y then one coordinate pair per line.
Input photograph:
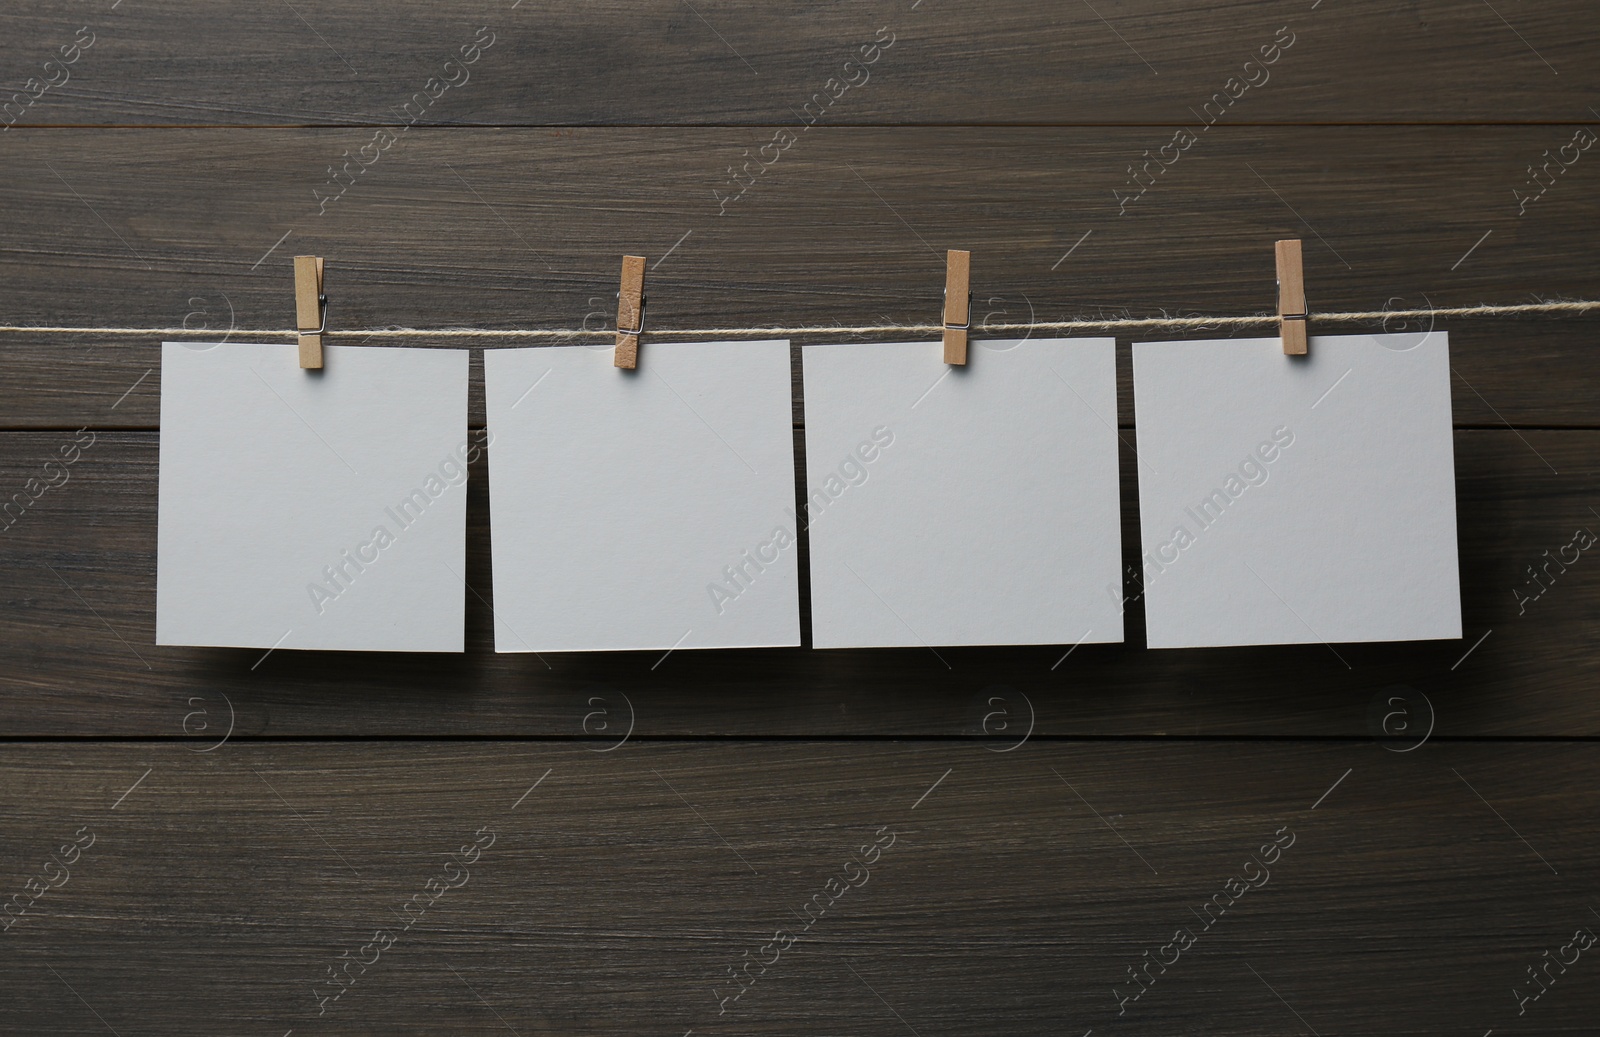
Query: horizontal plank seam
x,y
759,125
1348,739
796,427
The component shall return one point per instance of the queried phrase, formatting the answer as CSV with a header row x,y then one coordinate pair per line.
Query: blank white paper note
x,y
1291,500
967,505
312,509
642,509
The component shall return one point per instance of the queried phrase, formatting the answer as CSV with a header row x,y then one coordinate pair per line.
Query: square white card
x,y
973,505
1293,500
643,509
312,509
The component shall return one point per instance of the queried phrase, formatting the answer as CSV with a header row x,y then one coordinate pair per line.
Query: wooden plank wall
x,y
233,824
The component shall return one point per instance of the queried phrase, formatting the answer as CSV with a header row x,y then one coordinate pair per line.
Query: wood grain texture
x,y
1540,382
308,309
957,304
79,622
655,821
167,62
1291,297
630,313
147,228
1015,891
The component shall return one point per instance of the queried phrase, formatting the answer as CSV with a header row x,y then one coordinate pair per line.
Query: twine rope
x,y
1581,306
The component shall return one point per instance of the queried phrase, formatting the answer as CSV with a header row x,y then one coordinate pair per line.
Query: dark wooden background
x,y
253,819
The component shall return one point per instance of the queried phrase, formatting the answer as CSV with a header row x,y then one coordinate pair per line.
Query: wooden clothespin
x,y
630,313
1293,312
957,305
310,309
